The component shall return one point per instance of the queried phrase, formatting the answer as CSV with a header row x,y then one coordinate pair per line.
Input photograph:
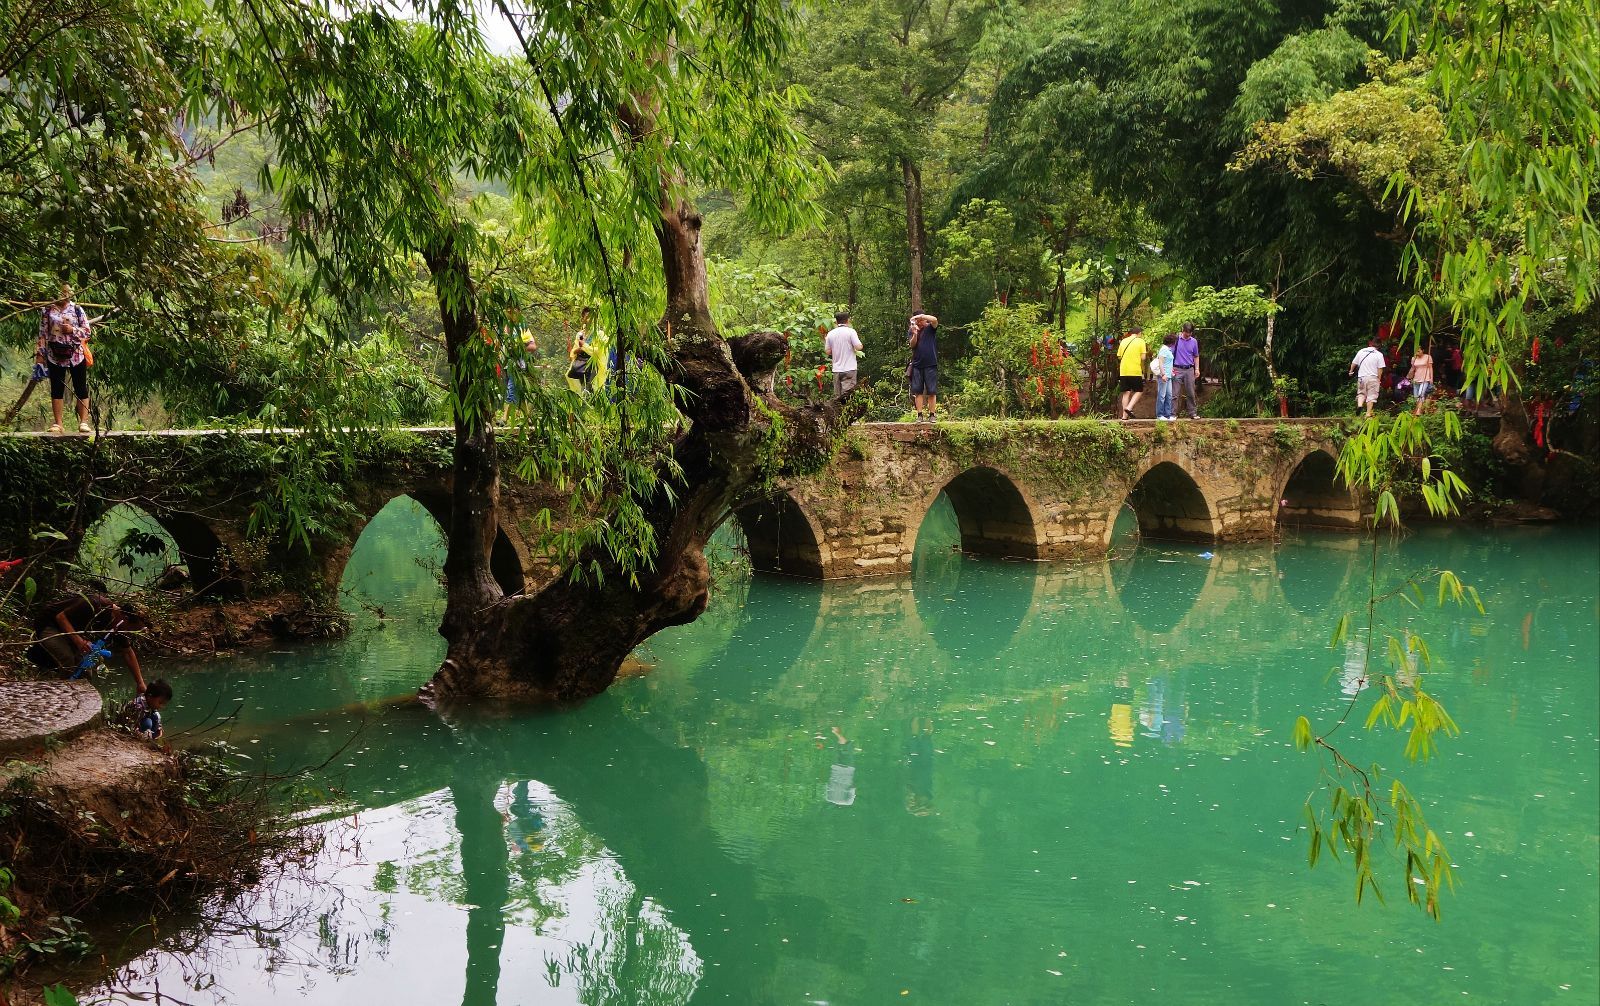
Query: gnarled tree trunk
x,y
568,640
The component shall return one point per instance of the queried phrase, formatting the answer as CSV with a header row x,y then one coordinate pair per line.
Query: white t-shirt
x,y
1368,364
842,344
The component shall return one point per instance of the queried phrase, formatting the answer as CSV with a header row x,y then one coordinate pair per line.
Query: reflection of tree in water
x,y
636,956
527,864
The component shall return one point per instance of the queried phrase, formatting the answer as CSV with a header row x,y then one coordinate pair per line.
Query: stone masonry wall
x,y
1052,491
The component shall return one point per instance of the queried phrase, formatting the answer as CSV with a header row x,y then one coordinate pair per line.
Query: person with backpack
x,y
62,348
1131,352
1368,368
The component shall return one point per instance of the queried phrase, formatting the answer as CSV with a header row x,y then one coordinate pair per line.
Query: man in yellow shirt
x,y
1131,352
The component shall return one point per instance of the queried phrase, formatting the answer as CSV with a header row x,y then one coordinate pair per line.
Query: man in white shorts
x,y
1368,368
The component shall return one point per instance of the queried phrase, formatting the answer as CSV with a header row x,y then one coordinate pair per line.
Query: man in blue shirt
x,y
922,333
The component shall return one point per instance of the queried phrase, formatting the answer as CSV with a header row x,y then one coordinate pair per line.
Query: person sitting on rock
x,y
68,633
144,712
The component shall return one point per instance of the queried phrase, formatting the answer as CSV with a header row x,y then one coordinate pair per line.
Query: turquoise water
x,y
987,783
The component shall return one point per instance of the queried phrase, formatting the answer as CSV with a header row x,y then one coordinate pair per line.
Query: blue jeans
x,y
1163,399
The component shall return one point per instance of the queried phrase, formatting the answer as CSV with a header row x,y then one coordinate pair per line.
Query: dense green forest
x,y
1040,175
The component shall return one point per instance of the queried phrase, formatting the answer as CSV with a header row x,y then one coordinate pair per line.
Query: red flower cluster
x,y
1052,385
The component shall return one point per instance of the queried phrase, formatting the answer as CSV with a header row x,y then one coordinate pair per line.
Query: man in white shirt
x,y
842,345
1368,368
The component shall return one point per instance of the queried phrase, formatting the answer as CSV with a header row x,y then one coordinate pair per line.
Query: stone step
x,y
37,711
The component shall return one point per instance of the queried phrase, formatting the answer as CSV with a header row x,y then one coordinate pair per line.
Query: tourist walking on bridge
x,y
922,333
842,344
1368,368
1186,369
63,335
1162,370
1130,355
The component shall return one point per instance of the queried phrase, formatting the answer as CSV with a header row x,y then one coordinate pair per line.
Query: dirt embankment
x,y
197,627
200,627
108,819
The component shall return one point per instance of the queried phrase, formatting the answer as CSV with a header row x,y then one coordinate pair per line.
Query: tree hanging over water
x,y
602,129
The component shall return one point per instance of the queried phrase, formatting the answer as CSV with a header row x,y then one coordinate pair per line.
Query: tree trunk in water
x,y
568,640
470,586
914,228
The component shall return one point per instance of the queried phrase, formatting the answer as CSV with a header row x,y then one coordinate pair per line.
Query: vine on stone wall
x,y
1075,455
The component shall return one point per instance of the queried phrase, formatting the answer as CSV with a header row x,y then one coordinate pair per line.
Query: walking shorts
x,y
58,380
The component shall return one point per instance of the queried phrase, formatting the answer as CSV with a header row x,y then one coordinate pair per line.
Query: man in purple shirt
x,y
1185,366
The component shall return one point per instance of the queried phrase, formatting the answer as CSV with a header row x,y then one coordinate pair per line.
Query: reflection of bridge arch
x,y
791,623
1158,592
781,536
1211,594
1170,504
1009,590
1310,585
1313,495
505,562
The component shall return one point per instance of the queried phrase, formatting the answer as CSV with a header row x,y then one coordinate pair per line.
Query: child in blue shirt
x,y
144,712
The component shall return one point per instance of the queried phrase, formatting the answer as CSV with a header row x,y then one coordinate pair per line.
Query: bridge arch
x,y
191,542
1313,495
993,514
781,536
505,562
1169,503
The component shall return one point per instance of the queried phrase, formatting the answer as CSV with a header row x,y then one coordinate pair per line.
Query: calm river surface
x,y
989,783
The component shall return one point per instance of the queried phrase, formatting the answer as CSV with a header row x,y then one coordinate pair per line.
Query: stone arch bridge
x,y
1028,490
1049,491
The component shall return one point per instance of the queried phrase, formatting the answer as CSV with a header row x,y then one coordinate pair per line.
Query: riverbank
x,y
105,822
190,627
